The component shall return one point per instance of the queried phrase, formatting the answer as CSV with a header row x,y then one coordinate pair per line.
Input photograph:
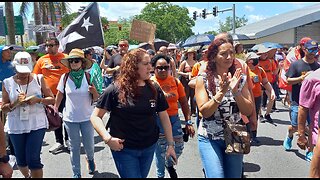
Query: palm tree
x,y
10,22
44,9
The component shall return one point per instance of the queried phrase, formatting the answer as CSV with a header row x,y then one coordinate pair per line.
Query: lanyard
x,y
27,86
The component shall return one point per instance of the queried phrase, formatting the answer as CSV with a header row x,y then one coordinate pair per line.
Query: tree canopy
x,y
172,21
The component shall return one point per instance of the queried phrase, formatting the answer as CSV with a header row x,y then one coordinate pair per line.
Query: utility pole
x,y
234,19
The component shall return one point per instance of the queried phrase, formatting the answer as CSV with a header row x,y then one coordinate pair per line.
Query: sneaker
x,y
287,143
309,155
172,172
12,161
56,147
91,166
77,176
268,118
68,145
261,119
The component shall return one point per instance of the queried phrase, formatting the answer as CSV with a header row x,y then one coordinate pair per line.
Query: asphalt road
x,y
268,159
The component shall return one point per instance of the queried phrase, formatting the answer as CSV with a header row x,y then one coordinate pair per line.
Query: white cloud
x,y
115,10
254,18
249,8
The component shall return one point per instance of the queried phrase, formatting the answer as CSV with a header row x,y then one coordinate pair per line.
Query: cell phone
x,y
172,160
242,82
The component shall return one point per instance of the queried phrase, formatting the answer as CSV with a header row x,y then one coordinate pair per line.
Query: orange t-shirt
x,y
256,77
195,69
169,86
269,66
52,69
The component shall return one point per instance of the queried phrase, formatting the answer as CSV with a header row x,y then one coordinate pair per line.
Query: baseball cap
x,y
311,44
304,40
7,47
251,55
22,62
172,46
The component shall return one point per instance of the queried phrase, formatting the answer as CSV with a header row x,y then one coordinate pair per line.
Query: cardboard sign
x,y
142,31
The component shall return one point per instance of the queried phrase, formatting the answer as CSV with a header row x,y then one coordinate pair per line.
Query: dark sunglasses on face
x,y
162,68
74,60
123,45
314,51
50,45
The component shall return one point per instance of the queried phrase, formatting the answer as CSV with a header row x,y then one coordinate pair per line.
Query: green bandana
x,y
77,77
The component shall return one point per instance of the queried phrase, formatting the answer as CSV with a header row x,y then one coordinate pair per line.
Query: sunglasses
x,y
162,68
74,60
50,45
123,45
314,51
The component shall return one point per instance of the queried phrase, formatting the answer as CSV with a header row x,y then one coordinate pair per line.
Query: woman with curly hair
x,y
134,102
222,93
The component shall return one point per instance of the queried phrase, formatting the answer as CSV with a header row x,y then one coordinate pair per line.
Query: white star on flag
x,y
86,23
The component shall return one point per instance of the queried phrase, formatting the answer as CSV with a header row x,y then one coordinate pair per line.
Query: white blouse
x,y
37,118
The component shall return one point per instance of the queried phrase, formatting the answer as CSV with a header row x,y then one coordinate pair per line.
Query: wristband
x,y
171,143
189,122
106,142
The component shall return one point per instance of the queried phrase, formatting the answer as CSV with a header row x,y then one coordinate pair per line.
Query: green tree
x,y
172,21
227,26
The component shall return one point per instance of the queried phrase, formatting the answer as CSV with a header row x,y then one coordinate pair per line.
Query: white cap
x,y
22,62
7,47
251,55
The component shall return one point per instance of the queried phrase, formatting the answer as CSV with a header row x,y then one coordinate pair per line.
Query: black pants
x,y
58,132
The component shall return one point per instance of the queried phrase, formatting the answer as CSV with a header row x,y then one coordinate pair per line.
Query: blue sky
x,y
253,11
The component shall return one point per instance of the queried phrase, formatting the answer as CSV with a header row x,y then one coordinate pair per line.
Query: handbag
x,y
54,119
237,138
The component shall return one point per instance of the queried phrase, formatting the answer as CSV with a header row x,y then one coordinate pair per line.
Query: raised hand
x,y
235,80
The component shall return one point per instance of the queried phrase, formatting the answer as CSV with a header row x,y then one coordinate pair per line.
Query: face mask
x,y
255,62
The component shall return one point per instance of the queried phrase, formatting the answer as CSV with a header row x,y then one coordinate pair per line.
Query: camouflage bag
x,y
237,138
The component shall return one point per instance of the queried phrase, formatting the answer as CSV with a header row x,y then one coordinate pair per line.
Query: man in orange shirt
x,y
50,66
269,66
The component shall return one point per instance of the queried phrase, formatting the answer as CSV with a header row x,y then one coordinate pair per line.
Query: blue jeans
x,y
28,147
176,126
216,163
134,163
160,153
294,115
87,133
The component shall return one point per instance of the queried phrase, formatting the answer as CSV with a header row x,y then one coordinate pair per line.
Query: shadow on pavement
x,y
104,175
96,149
284,122
250,167
267,141
97,139
302,156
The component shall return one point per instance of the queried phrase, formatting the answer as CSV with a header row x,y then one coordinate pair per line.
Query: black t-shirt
x,y
296,69
136,124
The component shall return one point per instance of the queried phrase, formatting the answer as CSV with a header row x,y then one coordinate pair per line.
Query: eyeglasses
x,y
314,51
50,45
123,45
74,60
162,68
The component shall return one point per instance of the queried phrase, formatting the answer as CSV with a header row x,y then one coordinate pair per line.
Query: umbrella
x,y
198,40
40,50
157,44
267,45
237,37
45,28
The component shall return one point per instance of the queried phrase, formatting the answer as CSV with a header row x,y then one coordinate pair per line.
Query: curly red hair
x,y
127,80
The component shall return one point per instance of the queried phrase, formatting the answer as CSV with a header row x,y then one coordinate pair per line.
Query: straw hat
x,y
76,53
191,50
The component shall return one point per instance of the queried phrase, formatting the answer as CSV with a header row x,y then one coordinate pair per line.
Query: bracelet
x,y
171,143
189,122
216,101
106,142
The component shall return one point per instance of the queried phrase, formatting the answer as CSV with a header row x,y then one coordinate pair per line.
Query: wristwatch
x,y
189,122
4,159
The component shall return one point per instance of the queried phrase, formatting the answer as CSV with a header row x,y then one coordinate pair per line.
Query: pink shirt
x,y
310,98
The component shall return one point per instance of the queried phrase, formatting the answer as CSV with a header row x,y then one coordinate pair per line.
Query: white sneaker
x,y
56,147
68,144
12,160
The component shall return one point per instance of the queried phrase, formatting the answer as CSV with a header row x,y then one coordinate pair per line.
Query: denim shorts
x,y
294,115
176,126
28,147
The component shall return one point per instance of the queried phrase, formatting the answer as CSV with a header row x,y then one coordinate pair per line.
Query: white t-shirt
x,y
37,117
78,101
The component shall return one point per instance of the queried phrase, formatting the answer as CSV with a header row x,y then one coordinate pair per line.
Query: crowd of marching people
x,y
143,90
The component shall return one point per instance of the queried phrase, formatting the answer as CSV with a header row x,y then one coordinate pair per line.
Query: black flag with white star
x,y
85,31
